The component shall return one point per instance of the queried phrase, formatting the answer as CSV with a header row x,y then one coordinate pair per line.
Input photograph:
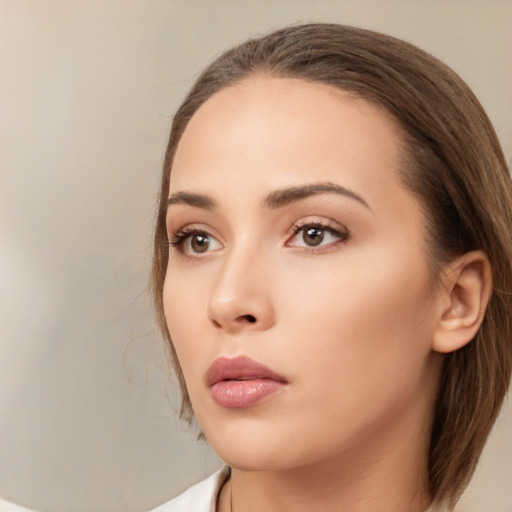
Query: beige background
x,y
87,410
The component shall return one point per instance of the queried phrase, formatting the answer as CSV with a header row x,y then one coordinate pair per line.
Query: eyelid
x,y
190,228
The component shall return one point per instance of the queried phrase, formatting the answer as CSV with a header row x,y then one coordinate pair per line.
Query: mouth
x,y
241,382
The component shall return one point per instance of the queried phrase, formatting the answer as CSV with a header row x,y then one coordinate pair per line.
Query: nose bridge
x,y
241,297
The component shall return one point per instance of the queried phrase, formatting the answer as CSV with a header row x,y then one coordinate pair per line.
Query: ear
x,y
466,285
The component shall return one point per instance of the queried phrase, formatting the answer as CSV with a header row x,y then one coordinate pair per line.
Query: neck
x,y
388,475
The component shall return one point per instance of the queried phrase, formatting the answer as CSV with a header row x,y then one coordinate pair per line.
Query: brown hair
x,y
455,166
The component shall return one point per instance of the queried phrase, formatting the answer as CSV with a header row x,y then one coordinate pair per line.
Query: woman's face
x,y
296,246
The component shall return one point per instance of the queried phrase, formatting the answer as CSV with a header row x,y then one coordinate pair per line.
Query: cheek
x,y
364,320
360,293
361,357
182,304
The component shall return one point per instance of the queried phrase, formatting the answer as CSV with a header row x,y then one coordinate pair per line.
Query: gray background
x,y
87,405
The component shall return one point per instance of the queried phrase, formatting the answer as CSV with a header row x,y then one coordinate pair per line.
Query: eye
x,y
316,235
193,242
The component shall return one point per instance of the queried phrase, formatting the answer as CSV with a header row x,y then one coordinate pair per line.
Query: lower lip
x,y
240,394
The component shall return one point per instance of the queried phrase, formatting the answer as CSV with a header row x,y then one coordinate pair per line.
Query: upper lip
x,y
241,367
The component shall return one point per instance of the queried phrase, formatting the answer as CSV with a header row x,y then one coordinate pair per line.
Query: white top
x,y
7,506
202,497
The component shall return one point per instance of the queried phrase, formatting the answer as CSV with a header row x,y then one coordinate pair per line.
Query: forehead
x,y
278,132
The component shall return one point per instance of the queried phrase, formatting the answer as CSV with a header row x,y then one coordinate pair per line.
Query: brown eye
x,y
317,237
193,242
313,236
199,242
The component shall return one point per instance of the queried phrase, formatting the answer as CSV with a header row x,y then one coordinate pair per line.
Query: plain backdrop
x,y
88,409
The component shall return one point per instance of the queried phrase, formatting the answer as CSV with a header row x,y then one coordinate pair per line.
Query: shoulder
x,y
201,497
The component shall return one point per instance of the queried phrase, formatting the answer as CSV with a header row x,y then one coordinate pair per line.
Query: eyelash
x,y
181,236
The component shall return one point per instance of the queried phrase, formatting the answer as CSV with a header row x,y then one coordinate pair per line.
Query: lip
x,y
241,382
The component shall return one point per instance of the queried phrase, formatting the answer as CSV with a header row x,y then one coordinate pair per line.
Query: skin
x,y
349,323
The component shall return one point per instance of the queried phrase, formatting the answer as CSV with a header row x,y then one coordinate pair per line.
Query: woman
x,y
333,273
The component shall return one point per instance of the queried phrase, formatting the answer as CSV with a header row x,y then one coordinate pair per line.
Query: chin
x,y
254,460
249,448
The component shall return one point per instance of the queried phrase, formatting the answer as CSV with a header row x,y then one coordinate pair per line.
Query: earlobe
x,y
466,286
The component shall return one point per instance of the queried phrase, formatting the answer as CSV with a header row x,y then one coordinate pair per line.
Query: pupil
x,y
313,236
200,243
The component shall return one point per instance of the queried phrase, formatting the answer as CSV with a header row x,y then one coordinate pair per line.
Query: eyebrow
x,y
274,200
283,197
197,200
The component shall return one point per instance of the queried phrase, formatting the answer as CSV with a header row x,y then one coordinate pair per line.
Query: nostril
x,y
251,319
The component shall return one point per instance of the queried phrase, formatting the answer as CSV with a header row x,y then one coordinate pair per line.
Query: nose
x,y
241,298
